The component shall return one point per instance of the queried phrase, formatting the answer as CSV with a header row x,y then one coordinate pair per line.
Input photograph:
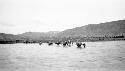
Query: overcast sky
x,y
19,16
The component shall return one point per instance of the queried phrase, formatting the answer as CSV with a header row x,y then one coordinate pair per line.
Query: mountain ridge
x,y
114,27
107,29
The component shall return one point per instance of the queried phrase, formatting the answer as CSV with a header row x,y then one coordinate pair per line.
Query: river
x,y
97,56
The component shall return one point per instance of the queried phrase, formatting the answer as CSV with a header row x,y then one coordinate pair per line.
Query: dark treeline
x,y
62,39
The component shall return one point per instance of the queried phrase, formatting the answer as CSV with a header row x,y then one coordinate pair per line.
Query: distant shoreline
x,y
61,40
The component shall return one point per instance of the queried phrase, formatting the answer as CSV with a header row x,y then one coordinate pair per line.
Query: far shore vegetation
x,y
62,39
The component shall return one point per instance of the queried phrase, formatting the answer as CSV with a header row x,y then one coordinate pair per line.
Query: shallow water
x,y
97,56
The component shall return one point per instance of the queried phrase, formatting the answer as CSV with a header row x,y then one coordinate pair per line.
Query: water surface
x,y
97,56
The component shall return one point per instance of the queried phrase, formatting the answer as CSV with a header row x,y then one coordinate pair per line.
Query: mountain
x,y
38,35
108,28
9,37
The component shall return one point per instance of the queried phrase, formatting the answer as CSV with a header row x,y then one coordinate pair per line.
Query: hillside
x,y
109,28
38,35
9,37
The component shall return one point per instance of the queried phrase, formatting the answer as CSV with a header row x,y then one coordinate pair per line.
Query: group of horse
x,y
67,43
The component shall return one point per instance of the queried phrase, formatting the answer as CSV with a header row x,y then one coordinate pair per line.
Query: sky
x,y
19,16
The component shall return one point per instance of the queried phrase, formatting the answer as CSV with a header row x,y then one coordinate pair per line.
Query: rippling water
x,y
97,56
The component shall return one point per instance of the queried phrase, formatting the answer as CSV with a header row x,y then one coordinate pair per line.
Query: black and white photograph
x,y
62,35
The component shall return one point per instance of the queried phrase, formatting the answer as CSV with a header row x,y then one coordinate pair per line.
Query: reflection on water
x,y
97,56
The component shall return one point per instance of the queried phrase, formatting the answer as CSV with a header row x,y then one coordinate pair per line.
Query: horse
x,y
84,45
65,43
79,44
50,43
40,43
57,43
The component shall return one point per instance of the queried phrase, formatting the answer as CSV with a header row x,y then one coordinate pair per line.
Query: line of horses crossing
x,y
67,43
